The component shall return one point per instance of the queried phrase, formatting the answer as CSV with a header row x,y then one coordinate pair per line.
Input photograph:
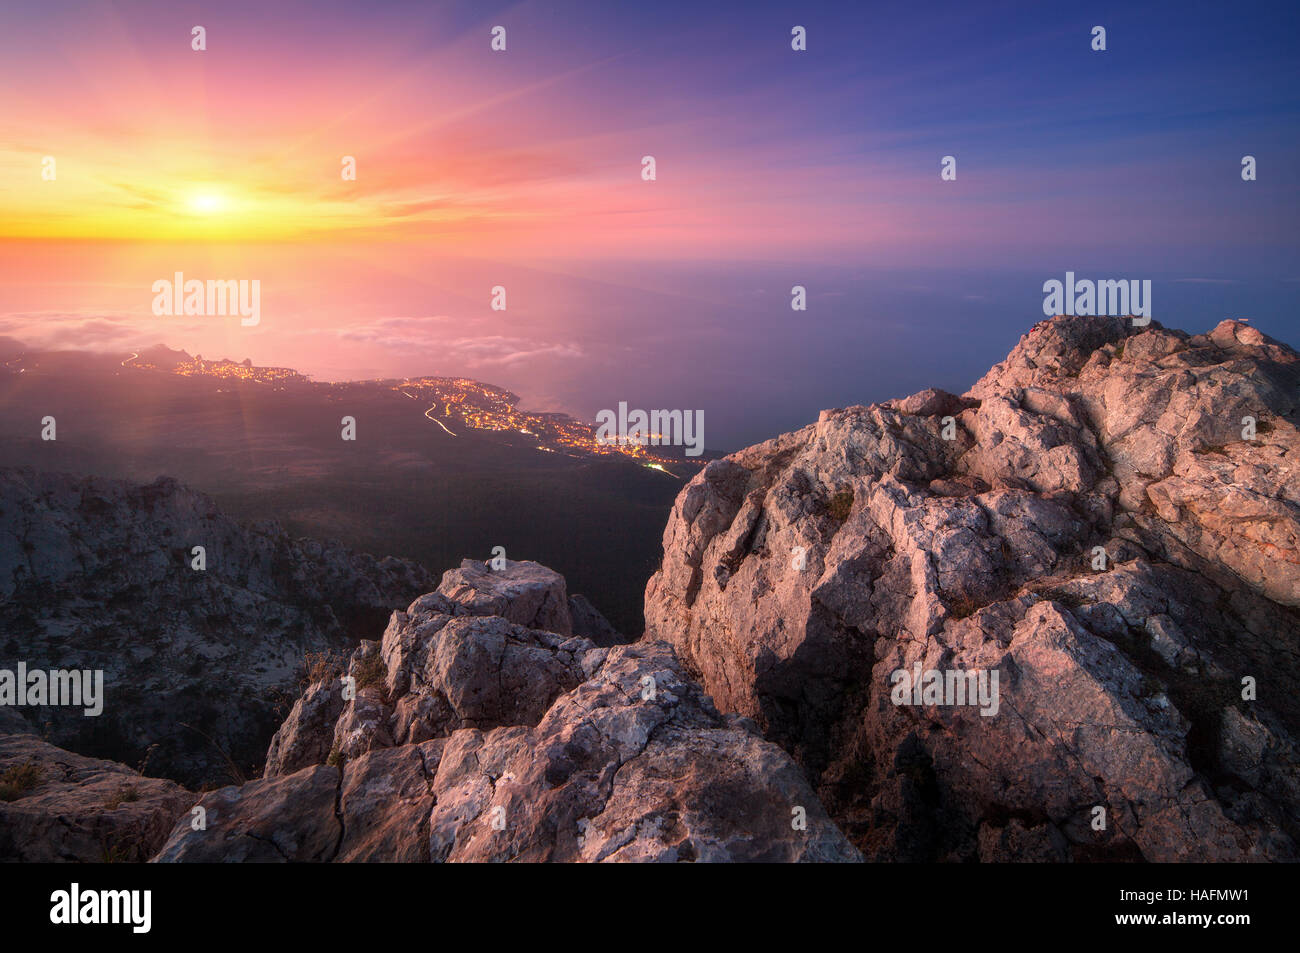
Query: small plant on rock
x,y
19,779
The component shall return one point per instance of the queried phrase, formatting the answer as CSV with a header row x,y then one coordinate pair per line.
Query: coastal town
x,y
456,404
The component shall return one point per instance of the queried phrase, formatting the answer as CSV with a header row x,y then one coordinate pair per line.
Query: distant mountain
x,y
99,574
161,357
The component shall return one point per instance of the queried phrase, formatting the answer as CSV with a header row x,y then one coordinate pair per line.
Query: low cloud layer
x,y
430,334
85,330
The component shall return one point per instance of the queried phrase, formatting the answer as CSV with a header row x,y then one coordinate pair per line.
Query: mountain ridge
x,y
1095,521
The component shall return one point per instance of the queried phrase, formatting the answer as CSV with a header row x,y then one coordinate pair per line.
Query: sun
x,y
207,203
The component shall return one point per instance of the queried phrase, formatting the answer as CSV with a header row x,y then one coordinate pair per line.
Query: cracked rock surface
x,y
72,808
473,736
800,574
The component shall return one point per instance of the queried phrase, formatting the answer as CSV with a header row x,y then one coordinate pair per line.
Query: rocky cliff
x,y
468,733
1056,618
100,574
474,735
1108,521
58,806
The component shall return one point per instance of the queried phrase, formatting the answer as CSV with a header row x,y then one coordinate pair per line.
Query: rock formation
x,y
98,574
1055,618
476,736
60,806
1108,520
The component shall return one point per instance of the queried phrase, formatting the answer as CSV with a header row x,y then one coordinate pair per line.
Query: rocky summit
x,y
1056,618
474,736
1106,523
466,733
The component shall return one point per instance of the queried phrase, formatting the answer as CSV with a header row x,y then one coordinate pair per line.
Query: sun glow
x,y
207,203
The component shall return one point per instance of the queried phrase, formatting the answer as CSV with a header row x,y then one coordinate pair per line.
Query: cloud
x,y
430,334
145,197
398,333
85,330
505,351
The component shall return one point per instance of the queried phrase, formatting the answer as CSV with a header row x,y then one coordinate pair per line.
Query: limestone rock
x,y
290,818
475,738
1106,532
523,592
59,806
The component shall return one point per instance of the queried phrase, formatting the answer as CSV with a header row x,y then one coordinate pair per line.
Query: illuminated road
x,y
131,358
436,420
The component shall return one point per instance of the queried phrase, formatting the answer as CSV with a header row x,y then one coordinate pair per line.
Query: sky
x,y
522,169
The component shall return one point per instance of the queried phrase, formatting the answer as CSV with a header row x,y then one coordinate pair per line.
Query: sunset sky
x,y
523,169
